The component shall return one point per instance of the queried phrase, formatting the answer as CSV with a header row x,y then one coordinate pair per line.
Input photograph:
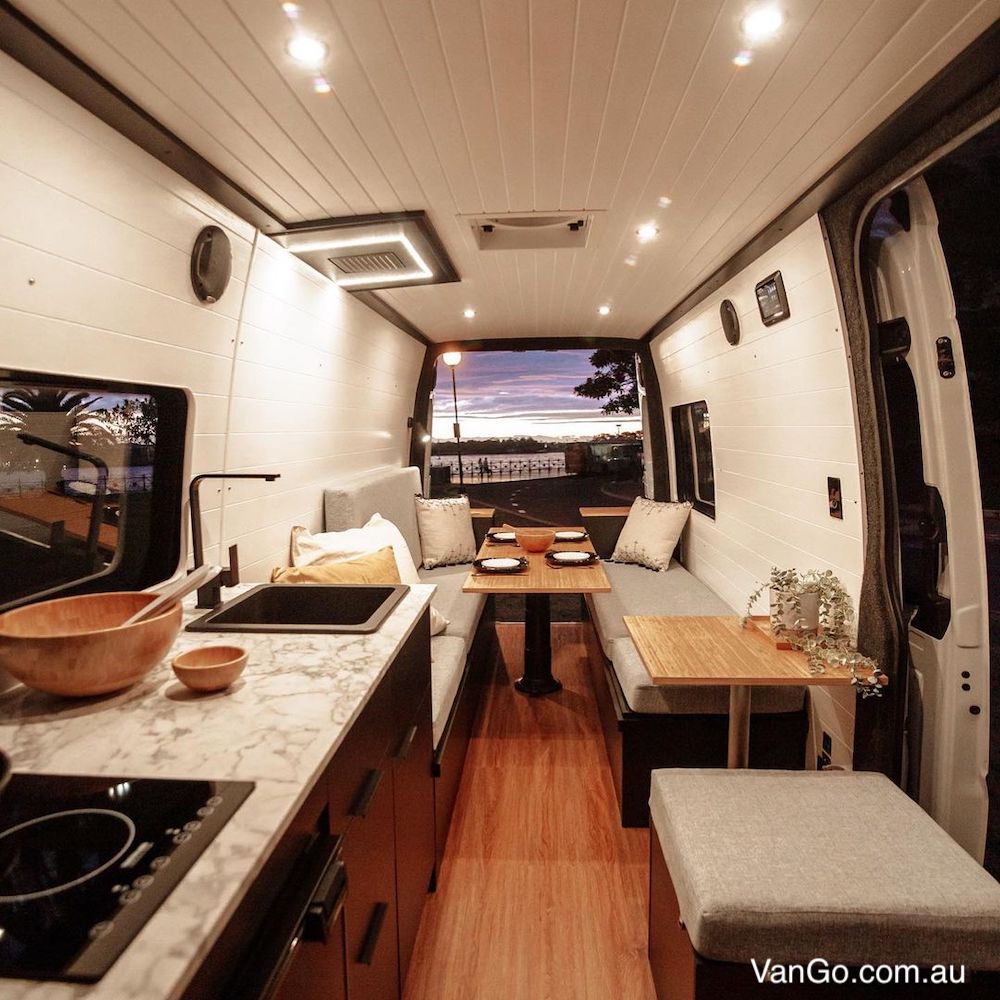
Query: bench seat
x,y
793,866
463,611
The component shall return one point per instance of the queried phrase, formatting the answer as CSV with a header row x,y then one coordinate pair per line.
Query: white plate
x,y
570,536
500,562
502,536
571,557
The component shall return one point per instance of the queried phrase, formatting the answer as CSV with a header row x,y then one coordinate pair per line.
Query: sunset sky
x,y
529,394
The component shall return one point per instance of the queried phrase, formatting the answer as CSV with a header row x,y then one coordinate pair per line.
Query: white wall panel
x,y
290,374
782,422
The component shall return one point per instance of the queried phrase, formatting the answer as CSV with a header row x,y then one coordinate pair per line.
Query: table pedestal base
x,y
739,726
537,679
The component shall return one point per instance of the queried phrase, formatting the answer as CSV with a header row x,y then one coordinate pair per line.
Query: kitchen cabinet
x,y
336,910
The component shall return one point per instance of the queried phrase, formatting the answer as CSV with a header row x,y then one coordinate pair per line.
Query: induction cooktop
x,y
85,862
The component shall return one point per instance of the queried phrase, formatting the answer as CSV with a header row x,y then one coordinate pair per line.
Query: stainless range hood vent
x,y
366,252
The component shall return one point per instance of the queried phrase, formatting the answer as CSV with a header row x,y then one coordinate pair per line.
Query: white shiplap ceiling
x,y
490,106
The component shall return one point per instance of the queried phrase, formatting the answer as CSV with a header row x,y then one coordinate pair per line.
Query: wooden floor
x,y
542,895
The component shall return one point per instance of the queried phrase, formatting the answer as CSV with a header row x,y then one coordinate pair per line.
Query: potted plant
x,y
813,613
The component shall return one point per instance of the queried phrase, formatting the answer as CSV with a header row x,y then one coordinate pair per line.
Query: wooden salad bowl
x,y
75,646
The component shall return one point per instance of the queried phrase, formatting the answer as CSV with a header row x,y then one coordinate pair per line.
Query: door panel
x,y
941,530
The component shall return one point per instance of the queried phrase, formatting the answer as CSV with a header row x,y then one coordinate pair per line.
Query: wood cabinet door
x,y
319,969
369,854
414,794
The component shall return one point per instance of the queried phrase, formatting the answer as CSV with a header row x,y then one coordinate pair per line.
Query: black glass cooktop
x,y
85,862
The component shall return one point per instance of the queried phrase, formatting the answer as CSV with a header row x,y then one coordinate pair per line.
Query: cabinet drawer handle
x,y
326,904
404,748
372,935
364,800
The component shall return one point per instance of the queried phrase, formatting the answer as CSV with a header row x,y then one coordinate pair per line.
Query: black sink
x,y
303,607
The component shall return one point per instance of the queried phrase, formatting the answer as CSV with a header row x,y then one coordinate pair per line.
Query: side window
x,y
693,448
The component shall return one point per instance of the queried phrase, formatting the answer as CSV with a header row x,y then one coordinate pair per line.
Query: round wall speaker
x,y
730,321
211,264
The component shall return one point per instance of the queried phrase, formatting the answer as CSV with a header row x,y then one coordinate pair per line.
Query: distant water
x,y
503,468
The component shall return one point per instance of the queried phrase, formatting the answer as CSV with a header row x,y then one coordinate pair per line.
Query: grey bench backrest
x,y
388,492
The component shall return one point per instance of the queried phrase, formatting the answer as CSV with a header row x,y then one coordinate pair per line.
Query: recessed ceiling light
x,y
322,85
663,201
743,58
762,23
631,260
291,10
307,49
647,231
469,313
604,310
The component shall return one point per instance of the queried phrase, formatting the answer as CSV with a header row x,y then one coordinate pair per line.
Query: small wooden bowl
x,y
210,668
534,539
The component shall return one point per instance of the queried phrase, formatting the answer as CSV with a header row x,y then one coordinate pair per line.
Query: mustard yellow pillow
x,y
377,567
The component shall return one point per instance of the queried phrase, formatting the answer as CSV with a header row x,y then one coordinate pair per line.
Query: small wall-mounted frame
x,y
730,321
834,497
211,264
771,299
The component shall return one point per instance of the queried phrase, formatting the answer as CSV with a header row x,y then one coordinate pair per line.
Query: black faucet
x,y
210,594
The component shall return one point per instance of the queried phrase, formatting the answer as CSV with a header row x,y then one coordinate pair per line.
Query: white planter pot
x,y
809,606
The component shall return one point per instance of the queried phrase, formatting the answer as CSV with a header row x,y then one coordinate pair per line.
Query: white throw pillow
x,y
446,535
650,534
341,546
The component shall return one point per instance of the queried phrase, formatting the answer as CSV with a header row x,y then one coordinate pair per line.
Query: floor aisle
x,y
542,895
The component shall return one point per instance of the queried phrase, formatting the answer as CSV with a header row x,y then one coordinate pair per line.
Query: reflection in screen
x,y
73,464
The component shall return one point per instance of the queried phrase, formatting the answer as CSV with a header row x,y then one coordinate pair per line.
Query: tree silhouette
x,y
613,380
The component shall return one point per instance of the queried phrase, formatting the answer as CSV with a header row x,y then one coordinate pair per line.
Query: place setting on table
x,y
537,562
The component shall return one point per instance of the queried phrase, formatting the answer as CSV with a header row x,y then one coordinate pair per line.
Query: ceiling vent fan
x,y
533,230
366,252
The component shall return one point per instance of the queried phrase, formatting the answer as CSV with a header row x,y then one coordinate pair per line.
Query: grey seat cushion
x,y
388,492
447,665
793,865
643,695
463,611
636,590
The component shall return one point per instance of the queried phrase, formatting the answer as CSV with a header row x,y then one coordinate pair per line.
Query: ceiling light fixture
x,y
647,231
604,310
762,23
663,201
743,58
307,49
469,313
631,260
291,10
321,85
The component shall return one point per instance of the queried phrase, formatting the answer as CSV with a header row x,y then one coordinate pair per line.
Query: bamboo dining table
x,y
719,650
538,582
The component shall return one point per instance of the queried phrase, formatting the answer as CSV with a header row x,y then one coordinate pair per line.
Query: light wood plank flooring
x,y
542,894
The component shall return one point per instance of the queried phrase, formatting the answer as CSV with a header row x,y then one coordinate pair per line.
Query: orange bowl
x,y
210,668
75,646
534,539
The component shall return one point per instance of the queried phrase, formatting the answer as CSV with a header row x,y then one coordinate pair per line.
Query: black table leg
x,y
537,679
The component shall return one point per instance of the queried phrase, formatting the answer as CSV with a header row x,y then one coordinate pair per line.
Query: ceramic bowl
x,y
75,646
210,668
534,539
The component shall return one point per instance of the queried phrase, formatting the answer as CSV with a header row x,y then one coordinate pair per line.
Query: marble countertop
x,y
278,725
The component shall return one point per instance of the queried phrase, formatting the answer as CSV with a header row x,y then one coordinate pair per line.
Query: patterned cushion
x,y
792,865
446,535
650,534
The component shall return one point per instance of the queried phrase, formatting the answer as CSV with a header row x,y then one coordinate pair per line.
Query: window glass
x,y
693,456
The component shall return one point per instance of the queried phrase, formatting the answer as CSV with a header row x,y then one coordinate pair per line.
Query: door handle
x,y
407,744
375,925
364,800
326,904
